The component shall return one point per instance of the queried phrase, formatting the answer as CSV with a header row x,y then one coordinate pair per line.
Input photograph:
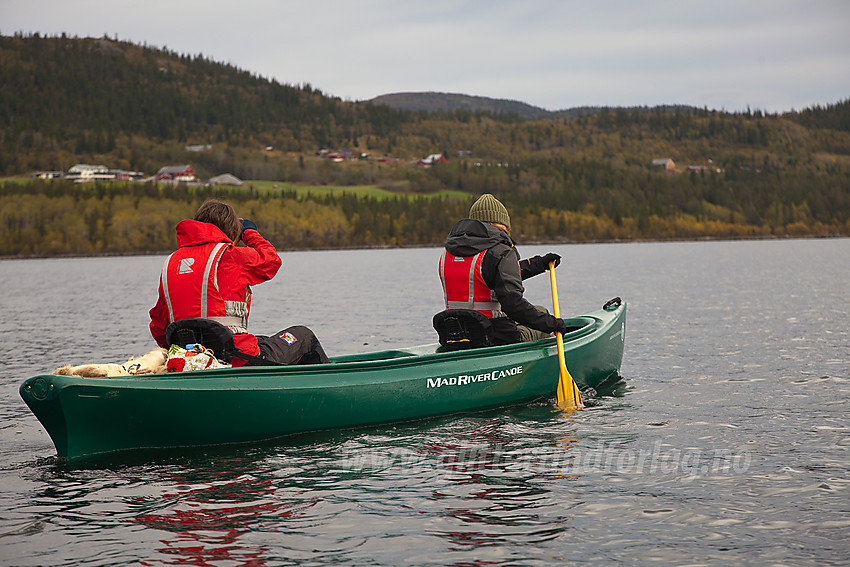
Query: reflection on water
x,y
208,519
478,486
726,443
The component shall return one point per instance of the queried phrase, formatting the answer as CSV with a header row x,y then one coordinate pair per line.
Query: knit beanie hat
x,y
488,209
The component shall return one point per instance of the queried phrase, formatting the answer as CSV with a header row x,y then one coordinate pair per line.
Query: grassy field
x,y
264,187
361,191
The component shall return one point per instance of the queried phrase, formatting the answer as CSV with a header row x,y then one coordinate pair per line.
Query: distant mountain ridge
x,y
431,101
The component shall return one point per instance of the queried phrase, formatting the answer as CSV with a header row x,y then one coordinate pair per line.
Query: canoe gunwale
x,y
417,355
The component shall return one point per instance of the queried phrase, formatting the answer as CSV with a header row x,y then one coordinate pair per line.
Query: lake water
x,y
728,442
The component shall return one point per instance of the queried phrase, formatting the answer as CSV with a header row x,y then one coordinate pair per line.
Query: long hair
x,y
221,215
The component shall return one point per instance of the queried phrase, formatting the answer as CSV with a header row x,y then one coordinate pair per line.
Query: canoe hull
x,y
86,417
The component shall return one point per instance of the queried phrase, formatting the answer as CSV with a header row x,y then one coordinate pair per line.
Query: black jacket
x,y
503,273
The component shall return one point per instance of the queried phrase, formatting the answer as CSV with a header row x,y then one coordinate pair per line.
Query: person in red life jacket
x,y
481,270
209,276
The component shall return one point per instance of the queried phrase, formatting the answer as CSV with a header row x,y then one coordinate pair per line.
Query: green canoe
x,y
87,417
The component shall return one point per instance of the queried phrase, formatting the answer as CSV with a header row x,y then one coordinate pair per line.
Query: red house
x,y
176,174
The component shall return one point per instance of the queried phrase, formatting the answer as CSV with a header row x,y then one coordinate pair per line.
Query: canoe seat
x,y
463,328
212,335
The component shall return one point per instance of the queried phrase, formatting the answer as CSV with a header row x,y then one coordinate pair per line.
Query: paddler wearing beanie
x,y
481,270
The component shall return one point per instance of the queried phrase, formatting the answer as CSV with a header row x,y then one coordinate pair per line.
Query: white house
x,y
83,172
432,159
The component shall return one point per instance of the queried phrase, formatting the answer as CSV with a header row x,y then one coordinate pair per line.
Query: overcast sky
x,y
774,55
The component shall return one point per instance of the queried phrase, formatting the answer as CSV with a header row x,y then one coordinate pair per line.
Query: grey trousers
x,y
529,334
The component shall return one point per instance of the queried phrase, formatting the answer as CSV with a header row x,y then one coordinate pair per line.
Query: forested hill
x,y
584,174
82,94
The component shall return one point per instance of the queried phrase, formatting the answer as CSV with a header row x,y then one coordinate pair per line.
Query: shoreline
x,y
439,245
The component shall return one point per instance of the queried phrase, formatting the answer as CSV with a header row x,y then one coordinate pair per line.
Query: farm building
x,y
48,174
225,179
664,163
83,172
176,174
433,159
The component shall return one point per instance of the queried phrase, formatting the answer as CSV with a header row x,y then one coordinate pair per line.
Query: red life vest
x,y
190,287
464,287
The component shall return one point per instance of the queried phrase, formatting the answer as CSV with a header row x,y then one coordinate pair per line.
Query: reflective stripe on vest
x,y
212,265
164,281
464,287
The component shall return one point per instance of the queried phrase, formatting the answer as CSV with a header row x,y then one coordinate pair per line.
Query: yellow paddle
x,y
568,395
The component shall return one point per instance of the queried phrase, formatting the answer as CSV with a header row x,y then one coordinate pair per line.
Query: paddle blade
x,y
568,394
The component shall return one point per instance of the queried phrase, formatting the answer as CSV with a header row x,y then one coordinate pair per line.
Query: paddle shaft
x,y
568,393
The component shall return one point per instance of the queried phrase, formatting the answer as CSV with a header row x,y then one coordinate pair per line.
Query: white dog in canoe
x,y
149,363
